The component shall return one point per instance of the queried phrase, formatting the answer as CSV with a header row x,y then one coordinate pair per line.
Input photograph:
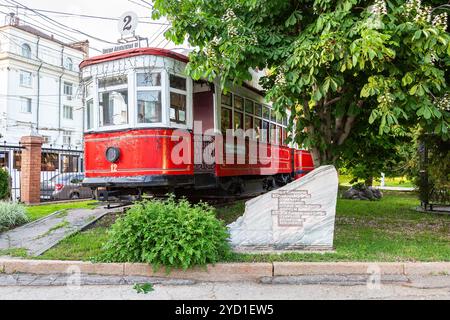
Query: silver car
x,y
65,186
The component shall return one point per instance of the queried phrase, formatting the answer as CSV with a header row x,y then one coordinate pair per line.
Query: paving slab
x,y
41,235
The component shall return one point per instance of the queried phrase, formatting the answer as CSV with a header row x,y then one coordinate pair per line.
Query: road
x,y
29,287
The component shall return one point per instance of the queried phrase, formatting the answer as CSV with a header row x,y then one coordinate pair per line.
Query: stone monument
x,y
298,216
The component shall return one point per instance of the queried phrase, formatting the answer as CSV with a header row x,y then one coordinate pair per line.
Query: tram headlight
x,y
112,154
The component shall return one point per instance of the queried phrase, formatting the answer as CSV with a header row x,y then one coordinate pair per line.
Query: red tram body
x,y
139,106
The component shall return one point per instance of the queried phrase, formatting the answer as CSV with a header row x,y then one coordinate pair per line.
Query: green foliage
x,y
4,184
143,288
332,63
168,233
11,215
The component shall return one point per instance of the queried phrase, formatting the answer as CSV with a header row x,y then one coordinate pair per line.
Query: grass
x,y
38,212
81,246
344,180
388,230
16,252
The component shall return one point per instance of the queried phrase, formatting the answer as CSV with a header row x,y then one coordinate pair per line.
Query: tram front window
x,y
113,107
149,106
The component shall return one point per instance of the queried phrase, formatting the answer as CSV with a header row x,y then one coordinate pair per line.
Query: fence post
x,y
30,178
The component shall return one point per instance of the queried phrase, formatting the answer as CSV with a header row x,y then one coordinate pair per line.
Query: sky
x,y
103,29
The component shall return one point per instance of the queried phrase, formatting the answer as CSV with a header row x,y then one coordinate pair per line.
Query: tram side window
x,y
265,131
258,128
273,134
226,121
113,100
178,99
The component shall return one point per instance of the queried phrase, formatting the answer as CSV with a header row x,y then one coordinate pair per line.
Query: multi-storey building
x,y
39,86
40,95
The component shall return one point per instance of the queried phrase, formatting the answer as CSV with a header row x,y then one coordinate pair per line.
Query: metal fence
x,y
10,155
61,172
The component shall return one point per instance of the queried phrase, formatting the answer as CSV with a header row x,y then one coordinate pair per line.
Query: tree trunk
x,y
369,182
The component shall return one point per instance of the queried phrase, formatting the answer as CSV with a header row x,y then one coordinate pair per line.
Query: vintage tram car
x,y
140,105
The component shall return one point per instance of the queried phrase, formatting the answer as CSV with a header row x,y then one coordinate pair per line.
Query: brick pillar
x,y
30,177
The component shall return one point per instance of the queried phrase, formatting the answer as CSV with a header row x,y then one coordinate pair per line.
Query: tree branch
x,y
347,129
332,101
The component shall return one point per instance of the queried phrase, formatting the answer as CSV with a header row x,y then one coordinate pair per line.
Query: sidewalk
x,y
40,235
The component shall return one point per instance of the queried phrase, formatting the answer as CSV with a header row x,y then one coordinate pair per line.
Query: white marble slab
x,y
298,216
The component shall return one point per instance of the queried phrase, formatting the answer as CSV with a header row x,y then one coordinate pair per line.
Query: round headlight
x,y
112,154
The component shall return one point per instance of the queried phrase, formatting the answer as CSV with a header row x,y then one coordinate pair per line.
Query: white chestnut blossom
x,y
379,8
443,103
280,79
440,21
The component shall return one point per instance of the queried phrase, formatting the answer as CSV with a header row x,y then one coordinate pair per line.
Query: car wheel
x,y
74,196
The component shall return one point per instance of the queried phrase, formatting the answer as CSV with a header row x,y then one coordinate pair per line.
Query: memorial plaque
x,y
299,216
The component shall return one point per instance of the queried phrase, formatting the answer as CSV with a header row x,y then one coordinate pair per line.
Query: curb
x,y
225,272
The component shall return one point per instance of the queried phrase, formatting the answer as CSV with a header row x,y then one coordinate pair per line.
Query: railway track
x,y
215,201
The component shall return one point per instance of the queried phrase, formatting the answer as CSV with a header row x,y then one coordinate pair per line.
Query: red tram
x,y
143,115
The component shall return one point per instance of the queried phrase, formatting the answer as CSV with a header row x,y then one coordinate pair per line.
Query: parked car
x,y
65,186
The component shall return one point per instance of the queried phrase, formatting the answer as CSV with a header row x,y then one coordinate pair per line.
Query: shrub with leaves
x,y
12,215
170,233
4,184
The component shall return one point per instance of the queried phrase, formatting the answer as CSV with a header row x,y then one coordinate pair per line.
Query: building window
x,y
149,103
67,138
178,99
68,112
25,105
68,89
90,114
113,100
26,51
25,79
47,139
69,64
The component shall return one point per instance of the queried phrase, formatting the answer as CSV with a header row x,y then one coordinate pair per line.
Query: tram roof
x,y
147,51
134,53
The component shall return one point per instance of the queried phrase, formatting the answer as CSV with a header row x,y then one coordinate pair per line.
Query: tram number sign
x,y
128,23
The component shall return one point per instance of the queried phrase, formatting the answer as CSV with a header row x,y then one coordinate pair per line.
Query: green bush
x,y
11,215
167,233
4,184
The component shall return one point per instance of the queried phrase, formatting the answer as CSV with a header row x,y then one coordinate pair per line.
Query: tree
x,y
332,63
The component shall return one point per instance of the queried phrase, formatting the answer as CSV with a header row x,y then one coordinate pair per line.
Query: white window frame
x,y
23,47
131,101
67,84
29,102
68,63
71,112
22,84
189,102
162,89
67,134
